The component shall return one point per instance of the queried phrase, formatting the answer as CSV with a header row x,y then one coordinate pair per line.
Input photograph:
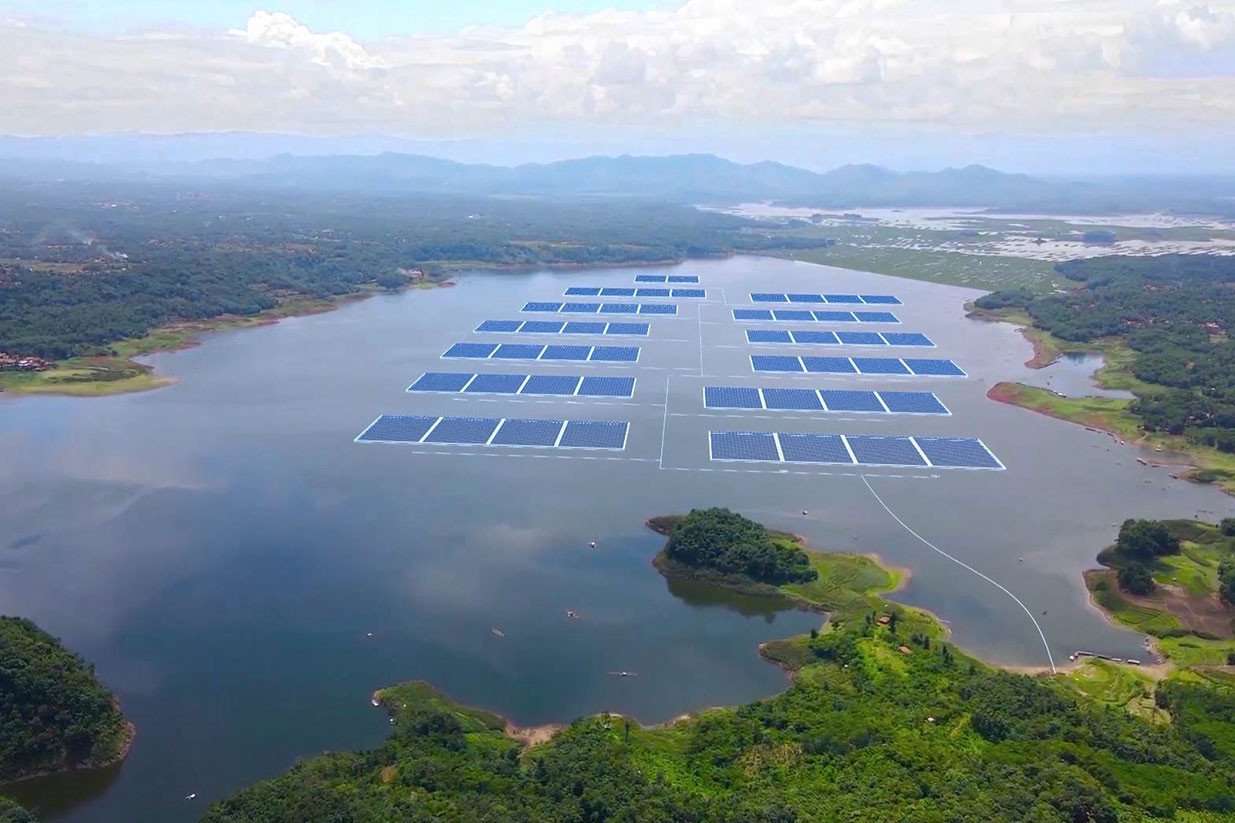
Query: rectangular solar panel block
x,y
880,365
792,314
768,297
551,384
835,317
767,336
814,448
850,401
397,428
617,292
796,399
652,292
775,362
444,381
566,353
729,397
842,298
744,446
471,350
940,367
828,365
688,293
580,308
500,325
683,278
542,327
658,308
517,432
958,452
638,329
896,338
607,387
619,308
615,354
594,434
584,327
883,450
885,299
860,338
495,384
463,430
650,278
805,298
517,351
752,314
912,402
875,317
542,307
808,336
583,291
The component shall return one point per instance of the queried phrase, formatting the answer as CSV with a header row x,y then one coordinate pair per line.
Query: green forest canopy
x,y
723,541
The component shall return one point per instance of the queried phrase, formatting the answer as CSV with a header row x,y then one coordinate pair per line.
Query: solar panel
x,y
860,338
583,291
584,327
814,448
617,292
551,384
471,430
651,278
615,354
566,353
542,307
896,338
798,399
842,298
726,397
768,297
767,336
495,384
743,446
471,350
958,452
683,278
444,381
944,368
912,402
397,428
850,401
808,336
880,365
835,317
875,317
607,387
519,432
658,308
619,308
882,450
594,434
541,327
517,351
805,298
828,365
500,325
775,362
640,329
752,314
580,308
652,292
688,293
880,298
792,314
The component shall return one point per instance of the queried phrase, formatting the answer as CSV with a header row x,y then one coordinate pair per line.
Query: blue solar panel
x,y
651,278
814,448
463,430
448,381
808,336
850,401
607,387
658,308
397,428
725,397
875,317
566,352
792,314
580,308
828,365
767,336
880,298
517,351
495,384
860,338
835,317
500,325
944,368
683,278
551,384
583,291
515,432
651,292
775,362
880,365
584,327
541,327
912,402
752,314
805,298
594,434
743,446
875,450
542,307
896,338
628,328
768,297
799,399
617,292
958,452
619,308
689,293
615,354
471,350
842,298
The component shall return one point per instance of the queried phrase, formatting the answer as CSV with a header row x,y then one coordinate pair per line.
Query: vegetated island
x,y
54,713
883,720
1162,326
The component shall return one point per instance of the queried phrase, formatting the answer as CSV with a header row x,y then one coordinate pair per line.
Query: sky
x,y
1106,85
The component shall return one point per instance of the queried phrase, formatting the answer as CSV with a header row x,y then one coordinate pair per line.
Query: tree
x,y
1136,579
1145,539
1227,526
1226,580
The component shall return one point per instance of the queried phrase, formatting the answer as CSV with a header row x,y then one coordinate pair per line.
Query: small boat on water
x,y
497,632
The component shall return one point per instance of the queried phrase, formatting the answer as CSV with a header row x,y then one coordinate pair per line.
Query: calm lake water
x,y
220,549
1072,375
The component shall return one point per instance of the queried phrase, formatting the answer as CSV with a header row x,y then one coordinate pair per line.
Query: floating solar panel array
x,y
562,327
826,316
936,367
852,449
548,307
823,400
571,385
532,351
838,338
624,291
497,431
666,278
778,297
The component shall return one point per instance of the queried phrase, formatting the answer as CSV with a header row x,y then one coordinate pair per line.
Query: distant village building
x,y
12,362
